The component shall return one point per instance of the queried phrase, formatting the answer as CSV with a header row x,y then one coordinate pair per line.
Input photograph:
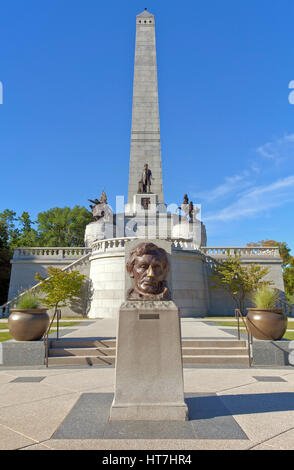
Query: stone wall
x,y
189,286
26,262
104,267
221,303
107,281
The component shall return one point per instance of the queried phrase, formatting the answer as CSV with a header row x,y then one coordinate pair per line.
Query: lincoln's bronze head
x,y
148,266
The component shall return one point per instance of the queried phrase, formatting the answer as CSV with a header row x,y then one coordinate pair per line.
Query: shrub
x,y
60,287
265,297
237,279
29,301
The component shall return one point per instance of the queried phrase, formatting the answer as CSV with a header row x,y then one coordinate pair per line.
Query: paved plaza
x,y
68,407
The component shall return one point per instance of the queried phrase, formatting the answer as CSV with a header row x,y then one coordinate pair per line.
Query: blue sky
x,y
227,126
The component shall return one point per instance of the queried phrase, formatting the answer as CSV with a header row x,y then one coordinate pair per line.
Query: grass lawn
x,y
230,323
4,325
72,323
234,323
5,336
219,318
288,335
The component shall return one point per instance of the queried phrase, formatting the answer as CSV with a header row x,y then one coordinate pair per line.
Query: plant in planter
x,y
266,322
27,321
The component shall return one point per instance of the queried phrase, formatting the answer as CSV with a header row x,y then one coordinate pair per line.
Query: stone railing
x,y
110,244
117,244
50,252
244,252
182,244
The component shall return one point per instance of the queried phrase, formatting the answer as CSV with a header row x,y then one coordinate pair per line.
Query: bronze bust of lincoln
x,y
148,266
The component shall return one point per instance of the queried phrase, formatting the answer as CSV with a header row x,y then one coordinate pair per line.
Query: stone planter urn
x,y
28,324
266,324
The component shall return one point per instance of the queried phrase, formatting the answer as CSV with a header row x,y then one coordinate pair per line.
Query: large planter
x,y
265,324
28,324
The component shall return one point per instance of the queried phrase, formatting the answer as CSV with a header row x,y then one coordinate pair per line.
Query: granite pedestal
x,y
149,372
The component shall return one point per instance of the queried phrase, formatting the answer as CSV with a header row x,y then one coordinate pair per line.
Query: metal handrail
x,y
45,337
238,315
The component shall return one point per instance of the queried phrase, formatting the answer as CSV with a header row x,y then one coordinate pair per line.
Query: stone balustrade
x,y
50,252
110,244
182,244
119,243
244,252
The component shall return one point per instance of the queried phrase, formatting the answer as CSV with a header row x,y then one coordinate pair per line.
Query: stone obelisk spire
x,y
145,137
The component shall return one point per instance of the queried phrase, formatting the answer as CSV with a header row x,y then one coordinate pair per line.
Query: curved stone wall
x,y
107,279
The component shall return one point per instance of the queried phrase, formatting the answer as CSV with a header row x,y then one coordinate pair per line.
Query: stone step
x,y
90,352
214,343
110,360
72,351
81,360
216,360
82,343
215,351
93,352
111,343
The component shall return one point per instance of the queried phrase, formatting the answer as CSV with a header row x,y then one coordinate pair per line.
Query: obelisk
x,y
145,134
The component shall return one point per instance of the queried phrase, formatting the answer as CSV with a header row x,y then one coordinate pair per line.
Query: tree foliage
x,y
55,227
5,256
59,226
63,226
236,279
60,287
287,265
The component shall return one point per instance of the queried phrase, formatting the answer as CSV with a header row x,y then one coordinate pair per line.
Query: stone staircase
x,y
101,352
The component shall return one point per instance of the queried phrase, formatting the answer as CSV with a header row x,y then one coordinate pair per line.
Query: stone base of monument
x,y
22,353
149,372
271,353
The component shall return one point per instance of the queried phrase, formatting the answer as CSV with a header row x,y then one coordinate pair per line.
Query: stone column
x,y
145,135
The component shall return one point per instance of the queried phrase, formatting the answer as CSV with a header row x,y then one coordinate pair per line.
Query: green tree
x,y
287,265
236,279
55,227
5,266
61,287
9,219
28,236
63,226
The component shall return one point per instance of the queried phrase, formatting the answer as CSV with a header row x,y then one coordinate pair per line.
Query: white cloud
x,y
231,184
278,149
256,200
